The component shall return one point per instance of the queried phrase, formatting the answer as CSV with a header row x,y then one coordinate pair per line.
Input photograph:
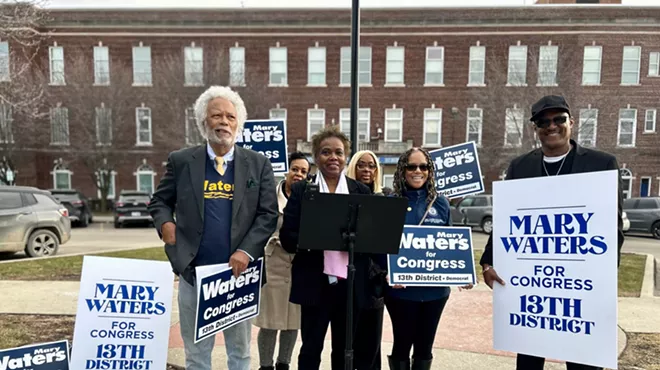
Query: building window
x,y
626,179
364,66
394,125
103,119
364,117
4,61
316,66
277,113
101,176
6,123
237,66
145,178
193,136
194,66
59,126
61,177
654,64
591,65
142,66
432,127
278,66
388,181
477,66
315,122
548,56
396,56
435,66
514,124
475,118
588,127
56,65
517,74
101,65
627,127
631,65
645,187
143,126
649,122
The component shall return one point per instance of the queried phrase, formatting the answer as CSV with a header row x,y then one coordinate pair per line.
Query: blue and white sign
x,y
44,356
124,314
433,256
457,170
267,137
557,253
224,300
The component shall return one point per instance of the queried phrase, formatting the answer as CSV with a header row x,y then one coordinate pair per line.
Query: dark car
x,y
80,212
644,215
131,208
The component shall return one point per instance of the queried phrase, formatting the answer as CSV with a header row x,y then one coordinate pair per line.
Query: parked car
x,y
131,207
32,220
78,205
644,215
474,210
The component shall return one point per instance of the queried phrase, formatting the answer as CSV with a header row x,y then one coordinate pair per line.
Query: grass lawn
x,y
641,352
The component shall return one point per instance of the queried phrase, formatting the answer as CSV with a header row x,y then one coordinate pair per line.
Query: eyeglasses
x,y
363,166
545,122
422,167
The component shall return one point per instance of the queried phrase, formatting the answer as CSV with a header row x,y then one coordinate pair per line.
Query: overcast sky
x,y
298,3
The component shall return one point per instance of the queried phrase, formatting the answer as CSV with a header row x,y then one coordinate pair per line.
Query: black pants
x,y
414,325
527,362
367,339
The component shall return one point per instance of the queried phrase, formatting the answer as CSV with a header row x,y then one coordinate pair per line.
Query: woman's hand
x,y
465,287
397,286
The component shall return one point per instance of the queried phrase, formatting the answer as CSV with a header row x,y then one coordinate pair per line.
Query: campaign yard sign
x,y
433,256
457,171
224,300
123,317
267,137
555,246
43,356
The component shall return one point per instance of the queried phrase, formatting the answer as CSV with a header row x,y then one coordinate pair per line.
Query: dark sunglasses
x,y
422,167
545,122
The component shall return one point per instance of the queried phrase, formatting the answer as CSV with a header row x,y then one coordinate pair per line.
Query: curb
x,y
648,284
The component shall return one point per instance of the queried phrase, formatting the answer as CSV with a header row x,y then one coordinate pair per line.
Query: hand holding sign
x,y
490,276
238,262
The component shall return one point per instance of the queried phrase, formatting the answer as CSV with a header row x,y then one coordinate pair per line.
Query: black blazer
x,y
307,274
586,160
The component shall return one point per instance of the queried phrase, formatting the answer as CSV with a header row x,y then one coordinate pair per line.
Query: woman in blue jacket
x,y
415,311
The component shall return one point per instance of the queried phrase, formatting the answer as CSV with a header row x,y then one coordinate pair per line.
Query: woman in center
x,y
319,277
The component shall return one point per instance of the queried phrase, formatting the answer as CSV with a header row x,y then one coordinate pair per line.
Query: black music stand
x,y
351,223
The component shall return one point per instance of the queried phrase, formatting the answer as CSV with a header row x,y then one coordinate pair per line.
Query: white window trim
x,y
641,180
151,68
426,67
186,67
270,113
388,176
144,172
600,64
481,125
51,69
437,144
57,171
370,71
7,77
483,73
556,60
97,120
389,70
639,65
52,115
655,118
309,111
137,128
191,125
96,62
656,72
110,195
634,130
510,75
368,119
518,126
232,77
627,176
270,67
309,66
400,137
580,132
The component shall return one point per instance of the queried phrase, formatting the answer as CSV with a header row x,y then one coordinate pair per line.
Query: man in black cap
x,y
558,155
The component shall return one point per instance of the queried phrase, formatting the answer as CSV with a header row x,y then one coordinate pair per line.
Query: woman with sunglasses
x,y
415,311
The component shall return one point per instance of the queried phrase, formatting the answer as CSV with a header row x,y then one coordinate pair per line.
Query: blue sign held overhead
x,y
267,137
43,356
457,170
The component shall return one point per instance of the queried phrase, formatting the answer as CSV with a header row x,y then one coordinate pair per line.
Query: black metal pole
x,y
355,85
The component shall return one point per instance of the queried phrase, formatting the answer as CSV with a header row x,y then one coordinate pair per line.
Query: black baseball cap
x,y
549,102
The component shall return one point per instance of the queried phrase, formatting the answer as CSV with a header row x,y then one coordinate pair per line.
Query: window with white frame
x,y
396,56
591,65
193,136
278,66
142,66
477,66
59,126
394,124
102,176
277,113
364,65
548,56
101,65
654,64
364,117
626,179
388,181
316,66
432,127
435,65
6,123
645,189
103,118
315,122
143,126
4,61
627,127
475,117
194,65
588,127
514,126
145,178
237,66
649,122
61,177
56,55
631,63
517,73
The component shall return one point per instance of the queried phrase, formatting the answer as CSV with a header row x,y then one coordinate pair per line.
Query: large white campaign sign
x,y
555,246
123,318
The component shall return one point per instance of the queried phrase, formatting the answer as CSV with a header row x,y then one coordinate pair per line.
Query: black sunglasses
x,y
545,122
414,167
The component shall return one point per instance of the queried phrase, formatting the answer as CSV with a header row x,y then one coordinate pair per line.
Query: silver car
x,y
31,220
474,211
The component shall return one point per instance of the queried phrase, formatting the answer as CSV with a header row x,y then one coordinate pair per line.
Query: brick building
x,y
120,84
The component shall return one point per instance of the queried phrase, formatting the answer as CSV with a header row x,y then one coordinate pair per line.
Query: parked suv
x,y
474,210
644,215
77,204
32,220
131,207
